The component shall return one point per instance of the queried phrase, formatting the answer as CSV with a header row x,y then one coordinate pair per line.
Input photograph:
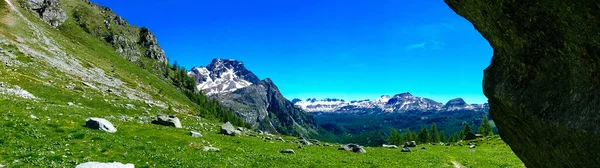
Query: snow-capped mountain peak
x,y
403,102
223,76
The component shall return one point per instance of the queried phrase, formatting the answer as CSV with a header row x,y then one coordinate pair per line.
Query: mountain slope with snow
x,y
223,76
399,103
258,102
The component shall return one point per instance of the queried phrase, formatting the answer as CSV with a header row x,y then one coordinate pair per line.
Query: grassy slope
x,y
57,137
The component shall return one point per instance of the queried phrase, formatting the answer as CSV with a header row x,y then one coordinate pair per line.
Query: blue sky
x,y
347,49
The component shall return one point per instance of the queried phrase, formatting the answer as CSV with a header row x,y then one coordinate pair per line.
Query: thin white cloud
x,y
428,45
416,46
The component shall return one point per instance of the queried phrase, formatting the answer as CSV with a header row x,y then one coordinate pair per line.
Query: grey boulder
x,y
228,129
195,134
305,142
289,151
410,144
100,124
104,165
353,148
165,120
389,146
405,149
210,148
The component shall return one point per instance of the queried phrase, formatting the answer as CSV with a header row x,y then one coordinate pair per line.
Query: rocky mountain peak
x,y
224,75
456,102
404,95
220,67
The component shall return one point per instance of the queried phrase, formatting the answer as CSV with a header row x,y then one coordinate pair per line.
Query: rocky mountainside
x,y
542,83
258,102
399,103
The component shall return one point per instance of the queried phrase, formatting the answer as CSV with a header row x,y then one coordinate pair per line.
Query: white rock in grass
x,y
195,134
104,165
100,124
210,148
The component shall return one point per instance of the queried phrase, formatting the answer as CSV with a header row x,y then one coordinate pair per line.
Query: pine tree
x,y
394,138
409,135
467,129
485,128
435,136
424,135
443,137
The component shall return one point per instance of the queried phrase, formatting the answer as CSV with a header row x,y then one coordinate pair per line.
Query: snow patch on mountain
x,y
392,104
222,76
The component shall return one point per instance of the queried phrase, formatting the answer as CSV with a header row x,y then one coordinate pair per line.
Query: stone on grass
x,y
405,149
100,124
410,144
165,120
195,134
104,165
472,147
353,148
287,151
280,139
305,142
210,148
228,129
389,146
326,144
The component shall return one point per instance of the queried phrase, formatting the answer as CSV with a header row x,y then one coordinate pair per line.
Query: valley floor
x,y
34,134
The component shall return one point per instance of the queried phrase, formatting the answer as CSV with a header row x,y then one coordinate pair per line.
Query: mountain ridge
x,y
398,103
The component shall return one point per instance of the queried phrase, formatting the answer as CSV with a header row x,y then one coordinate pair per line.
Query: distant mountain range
x,y
258,102
261,104
399,103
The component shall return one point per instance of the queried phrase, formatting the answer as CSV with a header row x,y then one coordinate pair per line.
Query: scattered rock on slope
x,y
405,149
287,151
543,80
100,124
165,120
353,148
305,142
410,144
210,148
228,129
389,146
104,165
195,134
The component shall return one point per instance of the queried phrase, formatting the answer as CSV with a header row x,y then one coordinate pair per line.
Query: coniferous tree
x,y
424,135
394,138
435,136
485,128
409,135
443,137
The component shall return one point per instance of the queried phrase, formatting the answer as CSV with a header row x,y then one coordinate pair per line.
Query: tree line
x,y
427,135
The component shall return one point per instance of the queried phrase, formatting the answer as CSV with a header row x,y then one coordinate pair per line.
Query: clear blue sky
x,y
350,49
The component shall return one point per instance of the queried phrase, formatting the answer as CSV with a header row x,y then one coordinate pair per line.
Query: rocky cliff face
x,y
49,11
129,41
543,81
